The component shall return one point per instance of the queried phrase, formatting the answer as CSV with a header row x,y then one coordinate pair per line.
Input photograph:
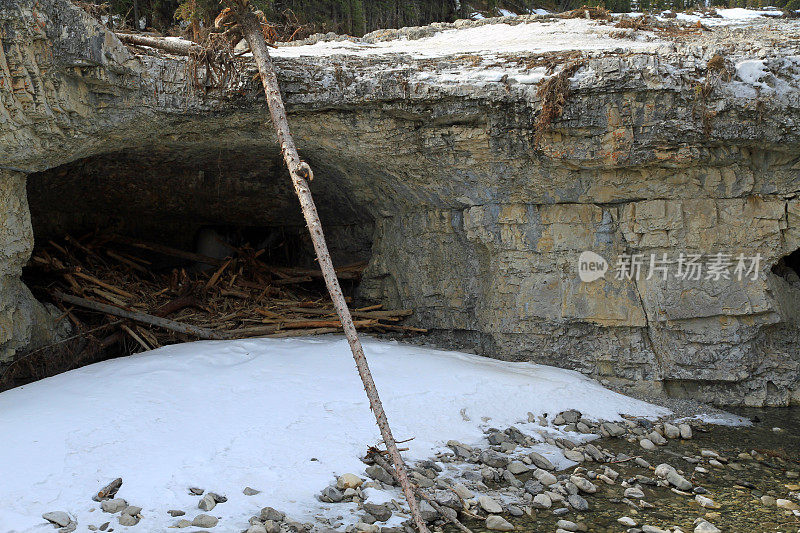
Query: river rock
x,y
382,513
571,416
656,438
427,511
489,505
541,461
647,444
377,472
204,520
348,481
268,513
463,491
653,529
584,485
787,504
498,523
331,495
544,477
706,502
634,492
686,431
113,506
611,429
567,525
706,527
578,503
59,518
518,467
257,528
627,521
247,491
128,520
542,501
671,431
207,502
574,455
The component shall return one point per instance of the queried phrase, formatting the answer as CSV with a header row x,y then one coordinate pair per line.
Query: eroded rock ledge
x,y
476,225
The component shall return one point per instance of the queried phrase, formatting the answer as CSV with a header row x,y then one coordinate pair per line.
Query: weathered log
x,y
300,172
172,46
167,250
144,318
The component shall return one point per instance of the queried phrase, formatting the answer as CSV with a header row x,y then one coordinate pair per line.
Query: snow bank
x,y
569,34
736,15
281,416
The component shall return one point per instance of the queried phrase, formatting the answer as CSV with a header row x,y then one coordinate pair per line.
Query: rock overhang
x,y
479,220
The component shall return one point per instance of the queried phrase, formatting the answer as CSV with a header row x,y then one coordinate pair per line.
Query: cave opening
x,y
788,268
219,243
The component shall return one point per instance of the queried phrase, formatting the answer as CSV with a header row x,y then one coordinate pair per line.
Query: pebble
x,y
627,521
611,429
207,503
183,523
268,513
541,461
498,523
671,432
706,502
175,512
204,520
60,518
709,453
542,501
427,511
686,431
641,462
363,527
196,491
571,416
768,501
706,527
250,492
489,505
257,528
647,444
378,473
714,462
113,506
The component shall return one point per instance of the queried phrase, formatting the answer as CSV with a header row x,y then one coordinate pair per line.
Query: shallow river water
x,y
737,485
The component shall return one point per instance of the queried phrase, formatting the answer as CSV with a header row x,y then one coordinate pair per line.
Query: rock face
x,y
436,170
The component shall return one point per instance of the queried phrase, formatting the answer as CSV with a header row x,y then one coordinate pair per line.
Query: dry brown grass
x,y
554,94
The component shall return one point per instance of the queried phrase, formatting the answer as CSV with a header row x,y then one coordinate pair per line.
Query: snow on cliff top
x,y
543,36
282,416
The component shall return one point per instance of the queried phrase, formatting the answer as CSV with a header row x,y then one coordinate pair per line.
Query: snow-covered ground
x,y
549,36
283,416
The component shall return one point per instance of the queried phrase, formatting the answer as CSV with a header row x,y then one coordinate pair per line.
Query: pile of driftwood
x,y
112,279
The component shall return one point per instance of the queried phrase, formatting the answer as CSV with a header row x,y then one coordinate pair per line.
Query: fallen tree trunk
x,y
171,325
300,172
172,46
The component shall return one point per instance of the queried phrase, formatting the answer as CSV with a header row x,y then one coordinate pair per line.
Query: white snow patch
x,y
721,418
283,416
751,71
569,34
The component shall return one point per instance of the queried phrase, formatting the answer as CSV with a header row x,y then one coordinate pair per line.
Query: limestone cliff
x,y
475,214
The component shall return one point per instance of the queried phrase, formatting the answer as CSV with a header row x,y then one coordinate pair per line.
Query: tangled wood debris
x,y
240,296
